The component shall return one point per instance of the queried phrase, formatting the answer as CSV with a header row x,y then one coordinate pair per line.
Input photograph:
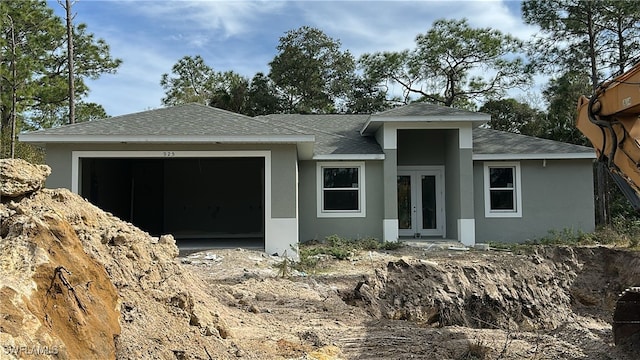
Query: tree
x,y
366,97
453,63
561,95
622,28
41,65
310,71
512,116
262,97
584,36
191,80
230,92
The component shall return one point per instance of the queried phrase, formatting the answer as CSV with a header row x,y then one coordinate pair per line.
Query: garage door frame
x,y
270,224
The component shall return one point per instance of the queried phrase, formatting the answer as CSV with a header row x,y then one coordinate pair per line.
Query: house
x,y
417,171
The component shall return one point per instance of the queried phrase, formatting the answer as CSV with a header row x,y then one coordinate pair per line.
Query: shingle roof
x,y
495,142
421,109
181,120
335,134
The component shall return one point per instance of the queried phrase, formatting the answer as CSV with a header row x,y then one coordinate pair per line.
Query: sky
x,y
242,35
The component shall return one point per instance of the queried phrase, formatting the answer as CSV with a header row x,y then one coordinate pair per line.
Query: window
x,y
341,189
502,193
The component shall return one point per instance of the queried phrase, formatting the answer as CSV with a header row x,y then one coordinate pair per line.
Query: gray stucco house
x,y
417,171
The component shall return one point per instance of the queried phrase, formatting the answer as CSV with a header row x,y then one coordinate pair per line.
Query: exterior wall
x,y
282,218
312,227
445,147
556,195
452,188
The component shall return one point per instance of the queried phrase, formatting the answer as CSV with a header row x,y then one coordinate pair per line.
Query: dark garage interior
x,y
202,202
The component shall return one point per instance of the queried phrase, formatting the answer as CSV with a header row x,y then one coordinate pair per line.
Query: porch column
x,y
466,221
390,168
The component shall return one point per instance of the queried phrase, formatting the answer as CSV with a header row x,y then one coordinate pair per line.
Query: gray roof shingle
x,y
495,142
335,134
421,109
181,120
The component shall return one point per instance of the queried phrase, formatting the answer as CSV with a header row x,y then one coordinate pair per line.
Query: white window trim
x,y
321,213
488,212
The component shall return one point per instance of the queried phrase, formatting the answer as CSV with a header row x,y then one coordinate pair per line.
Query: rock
x,y
54,294
67,269
18,177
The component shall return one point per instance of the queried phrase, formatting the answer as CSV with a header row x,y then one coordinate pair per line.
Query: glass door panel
x,y
405,212
429,203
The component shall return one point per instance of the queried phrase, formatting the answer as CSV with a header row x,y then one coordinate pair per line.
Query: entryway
x,y
421,201
201,201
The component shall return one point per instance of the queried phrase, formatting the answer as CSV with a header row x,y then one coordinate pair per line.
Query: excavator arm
x,y
610,120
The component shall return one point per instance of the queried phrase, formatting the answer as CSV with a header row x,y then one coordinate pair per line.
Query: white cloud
x,y
221,18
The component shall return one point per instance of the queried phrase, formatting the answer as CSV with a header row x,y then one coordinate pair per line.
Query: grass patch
x,y
339,248
621,233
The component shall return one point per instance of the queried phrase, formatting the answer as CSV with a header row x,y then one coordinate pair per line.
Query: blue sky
x,y
242,35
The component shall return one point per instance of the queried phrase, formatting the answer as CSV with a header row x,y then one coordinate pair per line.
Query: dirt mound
x,y
85,284
543,290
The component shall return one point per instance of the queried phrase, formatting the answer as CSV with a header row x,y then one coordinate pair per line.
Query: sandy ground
x,y
307,315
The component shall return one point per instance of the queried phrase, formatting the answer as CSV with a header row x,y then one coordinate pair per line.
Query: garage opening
x,y
202,202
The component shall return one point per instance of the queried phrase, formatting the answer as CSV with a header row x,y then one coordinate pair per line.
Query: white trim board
x,y
533,156
356,157
166,139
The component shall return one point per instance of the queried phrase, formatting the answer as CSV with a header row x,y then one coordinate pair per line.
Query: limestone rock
x,y
18,177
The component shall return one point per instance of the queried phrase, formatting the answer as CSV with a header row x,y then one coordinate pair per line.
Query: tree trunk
x,y
14,89
72,115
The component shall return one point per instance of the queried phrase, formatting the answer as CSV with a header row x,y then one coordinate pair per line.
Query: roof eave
x,y
165,139
534,156
330,157
375,121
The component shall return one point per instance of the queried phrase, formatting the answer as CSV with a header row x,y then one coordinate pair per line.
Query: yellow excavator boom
x,y
609,119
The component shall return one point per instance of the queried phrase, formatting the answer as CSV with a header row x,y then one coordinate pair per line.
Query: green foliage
x,y
565,236
623,230
339,248
262,98
442,66
191,81
230,92
310,71
28,152
512,116
562,94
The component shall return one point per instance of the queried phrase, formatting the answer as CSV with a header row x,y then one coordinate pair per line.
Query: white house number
x,y
169,153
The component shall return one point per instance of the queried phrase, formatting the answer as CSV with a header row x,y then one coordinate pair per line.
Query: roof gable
x,y
420,112
426,110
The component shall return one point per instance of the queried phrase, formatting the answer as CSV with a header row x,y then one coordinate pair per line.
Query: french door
x,y
421,202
